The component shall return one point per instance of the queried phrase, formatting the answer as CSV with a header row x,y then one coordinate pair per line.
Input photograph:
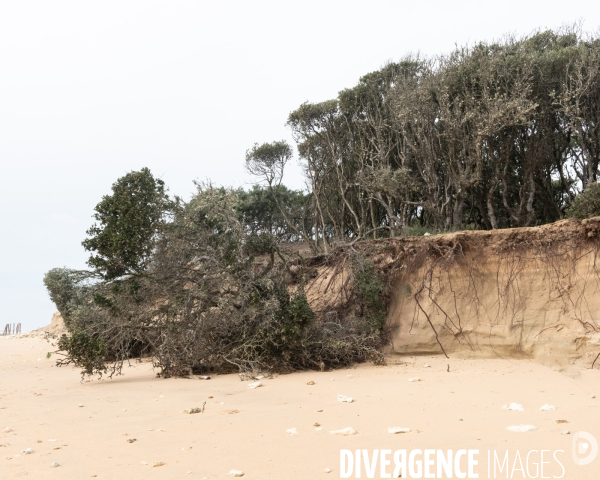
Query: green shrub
x,y
369,289
295,318
85,352
68,291
261,244
586,204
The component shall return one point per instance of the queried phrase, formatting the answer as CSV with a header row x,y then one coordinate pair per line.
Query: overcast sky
x,y
92,90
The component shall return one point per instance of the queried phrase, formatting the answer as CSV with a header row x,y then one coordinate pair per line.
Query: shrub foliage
x,y
206,301
587,203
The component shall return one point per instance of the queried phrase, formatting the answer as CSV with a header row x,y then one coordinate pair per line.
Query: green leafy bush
x,y
261,244
369,289
586,204
85,352
69,292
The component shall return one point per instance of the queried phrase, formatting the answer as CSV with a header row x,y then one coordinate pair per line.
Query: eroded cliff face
x,y
57,326
527,292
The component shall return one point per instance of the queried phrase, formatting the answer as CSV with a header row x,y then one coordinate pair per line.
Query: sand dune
x,y
245,429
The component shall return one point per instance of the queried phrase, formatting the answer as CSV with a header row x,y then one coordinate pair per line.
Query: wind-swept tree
x,y
267,162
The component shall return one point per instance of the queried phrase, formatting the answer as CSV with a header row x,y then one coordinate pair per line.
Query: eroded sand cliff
x,y
527,292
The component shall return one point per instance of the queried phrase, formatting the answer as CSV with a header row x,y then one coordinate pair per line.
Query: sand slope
x,y
41,403
513,293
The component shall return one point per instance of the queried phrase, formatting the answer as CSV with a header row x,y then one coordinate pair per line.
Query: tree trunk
x,y
457,214
373,223
490,205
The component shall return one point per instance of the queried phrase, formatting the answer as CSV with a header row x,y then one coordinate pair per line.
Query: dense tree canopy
x,y
494,135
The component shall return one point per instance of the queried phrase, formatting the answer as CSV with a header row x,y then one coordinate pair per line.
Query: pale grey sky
x,y
92,90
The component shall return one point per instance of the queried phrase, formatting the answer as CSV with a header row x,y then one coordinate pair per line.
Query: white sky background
x,y
92,90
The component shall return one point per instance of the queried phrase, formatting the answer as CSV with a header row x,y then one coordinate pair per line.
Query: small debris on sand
x,y
517,407
254,385
327,470
310,383
158,464
131,440
521,428
27,451
344,431
396,430
344,398
292,431
189,411
567,432
547,407
54,464
561,421
235,473
415,379
316,424
230,412
8,430
80,405
592,396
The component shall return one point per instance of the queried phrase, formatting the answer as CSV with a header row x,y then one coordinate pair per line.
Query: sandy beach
x,y
89,428
316,240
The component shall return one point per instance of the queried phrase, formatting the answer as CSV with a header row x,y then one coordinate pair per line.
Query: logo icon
x,y
584,444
